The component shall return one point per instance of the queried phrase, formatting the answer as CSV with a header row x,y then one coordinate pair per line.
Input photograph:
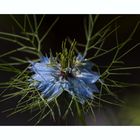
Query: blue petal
x,y
48,86
53,91
65,85
79,57
88,77
41,67
41,86
42,77
80,90
44,59
93,88
88,65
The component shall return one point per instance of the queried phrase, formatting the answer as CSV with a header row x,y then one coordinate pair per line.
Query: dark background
x,y
72,26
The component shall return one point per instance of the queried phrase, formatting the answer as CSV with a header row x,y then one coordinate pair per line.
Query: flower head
x,y
52,79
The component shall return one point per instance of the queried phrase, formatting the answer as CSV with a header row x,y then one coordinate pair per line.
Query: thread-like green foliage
x,y
30,42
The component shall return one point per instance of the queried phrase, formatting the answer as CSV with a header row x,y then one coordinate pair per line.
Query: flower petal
x,y
88,77
45,59
79,57
43,77
53,91
88,65
80,90
93,88
41,67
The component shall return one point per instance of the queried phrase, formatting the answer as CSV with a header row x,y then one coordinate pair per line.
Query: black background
x,y
72,26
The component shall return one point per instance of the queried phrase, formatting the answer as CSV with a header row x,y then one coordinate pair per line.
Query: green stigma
x,y
67,56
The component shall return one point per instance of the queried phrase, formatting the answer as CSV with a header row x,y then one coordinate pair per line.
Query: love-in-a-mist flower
x,y
66,72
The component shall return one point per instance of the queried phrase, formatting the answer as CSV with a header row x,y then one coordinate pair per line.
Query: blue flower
x,y
51,79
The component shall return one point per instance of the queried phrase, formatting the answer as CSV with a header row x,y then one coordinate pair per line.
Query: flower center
x,y
66,74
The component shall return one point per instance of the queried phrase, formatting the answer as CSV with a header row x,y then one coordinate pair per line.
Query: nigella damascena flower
x,y
51,79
